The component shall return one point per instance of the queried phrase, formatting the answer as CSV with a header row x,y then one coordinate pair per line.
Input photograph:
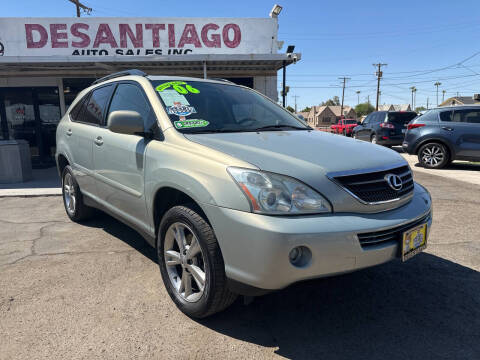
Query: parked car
x,y
384,127
445,134
344,126
236,194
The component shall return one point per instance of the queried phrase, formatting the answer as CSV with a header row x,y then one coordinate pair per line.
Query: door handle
x,y
69,132
99,141
447,128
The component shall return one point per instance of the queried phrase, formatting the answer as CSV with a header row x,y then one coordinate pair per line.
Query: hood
x,y
308,156
295,152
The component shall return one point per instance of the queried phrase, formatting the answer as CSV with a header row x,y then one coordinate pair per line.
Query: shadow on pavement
x,y
122,232
427,308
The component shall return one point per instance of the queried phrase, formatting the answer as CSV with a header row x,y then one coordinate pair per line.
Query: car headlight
x,y
270,193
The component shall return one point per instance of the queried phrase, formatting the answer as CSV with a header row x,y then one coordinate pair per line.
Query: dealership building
x,y
45,62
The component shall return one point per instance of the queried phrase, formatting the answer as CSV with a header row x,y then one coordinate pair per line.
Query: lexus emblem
x,y
394,181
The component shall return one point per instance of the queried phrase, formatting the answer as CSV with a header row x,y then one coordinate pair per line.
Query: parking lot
x,y
94,290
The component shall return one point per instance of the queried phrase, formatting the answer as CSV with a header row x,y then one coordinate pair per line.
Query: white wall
x,y
267,85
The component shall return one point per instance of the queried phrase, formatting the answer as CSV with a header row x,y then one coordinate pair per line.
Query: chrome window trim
x,y
332,175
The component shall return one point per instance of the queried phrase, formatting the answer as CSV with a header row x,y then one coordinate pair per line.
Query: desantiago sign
x,y
123,37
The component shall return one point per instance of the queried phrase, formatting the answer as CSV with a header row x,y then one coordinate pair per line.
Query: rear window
x,y
401,117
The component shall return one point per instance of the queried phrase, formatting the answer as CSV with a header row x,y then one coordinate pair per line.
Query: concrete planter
x,y
15,162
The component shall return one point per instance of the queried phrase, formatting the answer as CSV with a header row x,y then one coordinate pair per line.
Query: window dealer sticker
x,y
180,87
170,97
181,110
192,123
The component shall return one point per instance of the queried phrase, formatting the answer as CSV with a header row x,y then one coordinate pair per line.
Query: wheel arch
x,y
436,140
169,196
62,162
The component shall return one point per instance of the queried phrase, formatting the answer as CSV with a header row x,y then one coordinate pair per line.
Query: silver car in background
x,y
236,194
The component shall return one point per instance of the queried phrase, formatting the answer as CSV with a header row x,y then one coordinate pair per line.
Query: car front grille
x,y
371,187
389,236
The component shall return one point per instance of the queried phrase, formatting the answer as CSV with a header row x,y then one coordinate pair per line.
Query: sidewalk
x,y
45,182
458,170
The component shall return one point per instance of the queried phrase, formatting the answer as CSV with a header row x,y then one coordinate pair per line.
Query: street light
x,y
276,10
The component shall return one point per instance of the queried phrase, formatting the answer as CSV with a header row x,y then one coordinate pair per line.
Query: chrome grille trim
x,y
391,235
377,177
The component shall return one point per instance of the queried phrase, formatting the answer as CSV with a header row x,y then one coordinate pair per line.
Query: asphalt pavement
x,y
70,291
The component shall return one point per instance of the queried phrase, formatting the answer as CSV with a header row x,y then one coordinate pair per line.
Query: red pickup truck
x,y
344,126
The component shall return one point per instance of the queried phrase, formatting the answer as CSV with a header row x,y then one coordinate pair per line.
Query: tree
x,y
289,108
364,109
420,108
307,109
332,102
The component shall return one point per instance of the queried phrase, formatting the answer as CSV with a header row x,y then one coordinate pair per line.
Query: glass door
x,y
32,114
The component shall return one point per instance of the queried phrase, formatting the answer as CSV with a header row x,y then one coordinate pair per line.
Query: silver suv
x,y
237,195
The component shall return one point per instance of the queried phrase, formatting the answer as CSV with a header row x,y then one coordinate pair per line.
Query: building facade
x,y
45,62
319,116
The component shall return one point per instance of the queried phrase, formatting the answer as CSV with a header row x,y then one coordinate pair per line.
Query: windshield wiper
x,y
211,131
273,127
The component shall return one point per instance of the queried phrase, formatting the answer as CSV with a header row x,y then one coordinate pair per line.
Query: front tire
x,y
433,156
73,198
191,263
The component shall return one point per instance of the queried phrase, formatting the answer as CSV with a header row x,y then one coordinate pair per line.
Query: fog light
x,y
300,256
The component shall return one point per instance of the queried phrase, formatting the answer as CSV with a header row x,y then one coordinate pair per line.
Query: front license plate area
x,y
414,241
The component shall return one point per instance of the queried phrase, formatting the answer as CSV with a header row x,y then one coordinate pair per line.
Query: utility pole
x,y
443,95
358,96
368,99
295,97
437,84
343,96
427,102
414,90
79,6
379,76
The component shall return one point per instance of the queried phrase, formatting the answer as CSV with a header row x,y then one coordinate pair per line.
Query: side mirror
x,y
125,122
359,123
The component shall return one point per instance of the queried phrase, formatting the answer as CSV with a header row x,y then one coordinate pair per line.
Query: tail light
x,y
387,126
414,126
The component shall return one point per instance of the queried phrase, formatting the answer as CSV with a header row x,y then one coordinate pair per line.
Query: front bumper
x,y
256,247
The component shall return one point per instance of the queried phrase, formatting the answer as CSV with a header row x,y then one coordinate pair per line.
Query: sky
x,y
422,41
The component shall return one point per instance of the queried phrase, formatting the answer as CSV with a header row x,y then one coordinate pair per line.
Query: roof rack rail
x,y
119,74
220,79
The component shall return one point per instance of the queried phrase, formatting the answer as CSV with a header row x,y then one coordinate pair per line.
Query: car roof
x,y
469,106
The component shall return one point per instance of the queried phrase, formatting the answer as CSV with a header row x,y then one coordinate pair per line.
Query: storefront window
x,y
32,114
20,116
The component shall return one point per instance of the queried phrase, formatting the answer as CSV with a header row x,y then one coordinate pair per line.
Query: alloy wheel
x,y
184,262
433,155
374,139
69,193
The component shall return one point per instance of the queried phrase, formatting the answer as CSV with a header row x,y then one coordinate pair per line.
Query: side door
x,y
363,132
85,120
119,159
464,132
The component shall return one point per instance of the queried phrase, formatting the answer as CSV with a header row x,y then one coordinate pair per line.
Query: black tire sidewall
x,y
68,170
200,307
446,157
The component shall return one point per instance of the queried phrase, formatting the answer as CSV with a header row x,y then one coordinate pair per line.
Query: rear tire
x,y
433,156
195,274
73,198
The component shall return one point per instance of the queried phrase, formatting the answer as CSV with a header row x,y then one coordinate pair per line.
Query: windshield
x,y
200,107
401,117
346,122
